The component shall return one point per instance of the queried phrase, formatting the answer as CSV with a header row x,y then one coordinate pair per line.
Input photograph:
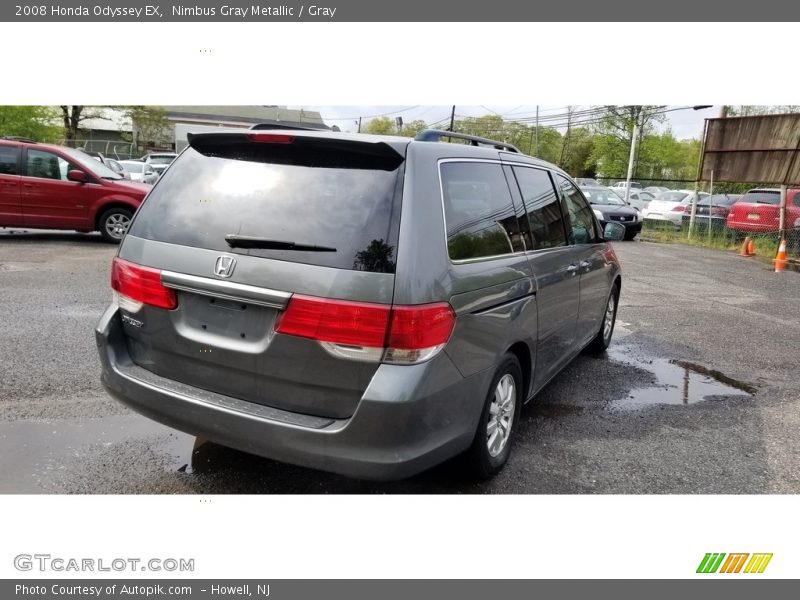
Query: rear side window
x,y
8,160
479,212
543,208
278,193
762,197
46,165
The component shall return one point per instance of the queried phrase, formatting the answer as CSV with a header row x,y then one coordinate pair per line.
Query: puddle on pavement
x,y
676,382
36,452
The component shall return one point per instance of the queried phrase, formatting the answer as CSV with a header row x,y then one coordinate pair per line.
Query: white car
x,y
669,207
639,199
159,160
621,185
140,171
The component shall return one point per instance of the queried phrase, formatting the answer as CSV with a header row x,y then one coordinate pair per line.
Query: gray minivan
x,y
365,305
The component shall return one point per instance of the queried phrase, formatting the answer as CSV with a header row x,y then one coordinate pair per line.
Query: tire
x,y
603,338
483,461
629,237
113,224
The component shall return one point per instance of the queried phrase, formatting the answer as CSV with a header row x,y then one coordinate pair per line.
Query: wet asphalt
x,y
699,392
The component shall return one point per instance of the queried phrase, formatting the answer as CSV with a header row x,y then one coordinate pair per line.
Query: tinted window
x,y
762,197
46,165
580,213
345,206
543,207
479,212
8,160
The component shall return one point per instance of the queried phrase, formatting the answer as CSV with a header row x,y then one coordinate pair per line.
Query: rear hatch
x,y
666,202
756,211
237,227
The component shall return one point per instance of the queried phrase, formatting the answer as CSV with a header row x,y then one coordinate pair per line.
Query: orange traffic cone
x,y
780,259
751,248
747,247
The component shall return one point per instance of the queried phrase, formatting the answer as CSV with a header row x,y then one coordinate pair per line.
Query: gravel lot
x,y
645,418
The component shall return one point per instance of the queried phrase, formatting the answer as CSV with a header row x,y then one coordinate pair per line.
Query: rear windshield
x,y
762,197
340,205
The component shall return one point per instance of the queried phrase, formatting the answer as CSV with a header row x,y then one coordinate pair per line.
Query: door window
x,y
8,160
479,212
543,208
46,165
582,229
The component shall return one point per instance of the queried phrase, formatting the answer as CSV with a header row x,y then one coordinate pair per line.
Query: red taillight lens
x,y
719,211
418,327
270,138
679,208
407,333
336,321
141,284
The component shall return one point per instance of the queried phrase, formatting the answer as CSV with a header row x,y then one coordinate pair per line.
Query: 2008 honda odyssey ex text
x,y
366,305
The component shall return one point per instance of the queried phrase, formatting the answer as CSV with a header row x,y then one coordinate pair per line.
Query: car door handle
x,y
30,185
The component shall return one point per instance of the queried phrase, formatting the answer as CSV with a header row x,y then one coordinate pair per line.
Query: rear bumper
x,y
409,419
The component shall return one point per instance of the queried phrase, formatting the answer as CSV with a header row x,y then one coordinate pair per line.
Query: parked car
x,y
111,164
668,207
656,189
608,207
140,171
623,185
52,187
711,211
159,160
583,181
368,305
639,199
758,211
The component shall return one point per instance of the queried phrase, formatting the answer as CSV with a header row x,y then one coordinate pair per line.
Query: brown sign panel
x,y
757,149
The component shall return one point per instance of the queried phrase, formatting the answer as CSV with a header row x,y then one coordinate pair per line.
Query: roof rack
x,y
17,138
434,135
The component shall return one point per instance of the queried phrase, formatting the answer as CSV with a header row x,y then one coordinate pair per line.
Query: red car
x,y
759,212
53,187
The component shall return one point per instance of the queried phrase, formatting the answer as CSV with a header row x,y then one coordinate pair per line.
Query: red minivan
x,y
759,212
52,187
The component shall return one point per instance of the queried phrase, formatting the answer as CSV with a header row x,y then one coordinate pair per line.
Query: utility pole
x,y
359,124
452,118
723,112
630,160
536,152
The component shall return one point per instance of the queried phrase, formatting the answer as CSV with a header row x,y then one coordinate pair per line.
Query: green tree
x,y
150,126
380,126
413,128
72,117
751,109
614,134
39,123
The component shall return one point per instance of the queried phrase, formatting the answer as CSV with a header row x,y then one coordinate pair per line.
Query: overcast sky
x,y
685,123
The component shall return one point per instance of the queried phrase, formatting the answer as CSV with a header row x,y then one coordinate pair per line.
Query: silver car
x,y
366,305
139,171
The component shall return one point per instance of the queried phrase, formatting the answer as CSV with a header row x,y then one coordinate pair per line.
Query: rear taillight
x,y
270,138
370,332
679,208
720,211
136,285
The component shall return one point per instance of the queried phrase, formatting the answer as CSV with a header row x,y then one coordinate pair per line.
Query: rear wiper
x,y
245,241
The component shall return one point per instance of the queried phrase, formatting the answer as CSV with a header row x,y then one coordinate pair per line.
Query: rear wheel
x,y
603,337
492,444
113,224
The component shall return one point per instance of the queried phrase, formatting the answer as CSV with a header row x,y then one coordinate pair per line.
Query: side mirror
x,y
614,232
76,175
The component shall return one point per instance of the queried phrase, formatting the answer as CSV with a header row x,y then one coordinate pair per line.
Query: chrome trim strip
x,y
227,290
